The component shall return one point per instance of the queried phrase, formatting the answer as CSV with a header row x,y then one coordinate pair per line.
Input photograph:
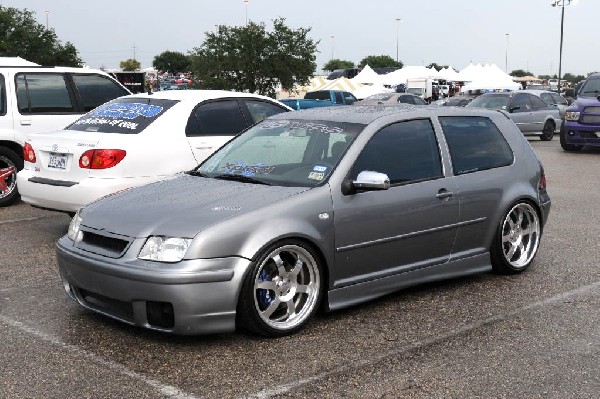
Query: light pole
x,y
47,12
332,45
398,20
246,5
561,4
506,56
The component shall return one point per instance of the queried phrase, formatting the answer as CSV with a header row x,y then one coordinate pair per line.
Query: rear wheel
x,y
566,146
282,291
517,239
548,131
10,164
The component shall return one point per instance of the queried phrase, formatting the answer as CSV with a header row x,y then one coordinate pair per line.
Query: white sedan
x,y
133,140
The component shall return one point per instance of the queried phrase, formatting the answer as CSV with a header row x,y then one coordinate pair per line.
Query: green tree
x,y
519,73
22,36
130,65
172,62
249,58
334,64
436,66
573,79
544,77
380,61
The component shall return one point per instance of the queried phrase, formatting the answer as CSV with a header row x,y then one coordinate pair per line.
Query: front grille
x,y
592,110
120,309
106,244
590,119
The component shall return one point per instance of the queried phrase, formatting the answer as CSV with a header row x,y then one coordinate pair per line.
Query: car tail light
x,y
542,185
101,159
28,153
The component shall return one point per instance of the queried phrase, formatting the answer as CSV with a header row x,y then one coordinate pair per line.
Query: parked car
x,y
391,99
555,99
582,118
456,101
37,99
133,140
321,98
530,113
336,205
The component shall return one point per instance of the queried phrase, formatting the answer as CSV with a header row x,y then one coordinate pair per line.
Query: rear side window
x,y
475,143
405,151
2,96
125,115
260,110
95,90
216,118
537,102
43,93
318,95
520,103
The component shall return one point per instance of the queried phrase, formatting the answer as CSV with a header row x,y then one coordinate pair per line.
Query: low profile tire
x,y
517,239
10,164
566,146
282,291
548,131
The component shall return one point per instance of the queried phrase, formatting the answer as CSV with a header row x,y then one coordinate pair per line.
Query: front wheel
x,y
517,239
548,131
10,164
282,291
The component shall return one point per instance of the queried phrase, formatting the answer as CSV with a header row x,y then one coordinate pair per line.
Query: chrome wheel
x,y
520,235
8,176
286,287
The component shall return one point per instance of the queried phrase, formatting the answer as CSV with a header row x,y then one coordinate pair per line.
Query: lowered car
x,y
331,206
530,113
131,141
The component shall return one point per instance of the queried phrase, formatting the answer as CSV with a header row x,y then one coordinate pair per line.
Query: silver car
x,y
530,113
329,206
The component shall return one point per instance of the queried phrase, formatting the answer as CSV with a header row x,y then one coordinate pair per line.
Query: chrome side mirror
x,y
366,181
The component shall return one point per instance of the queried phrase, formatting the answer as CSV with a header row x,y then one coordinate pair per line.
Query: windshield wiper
x,y
195,172
241,178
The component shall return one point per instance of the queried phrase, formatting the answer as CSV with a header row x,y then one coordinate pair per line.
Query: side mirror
x,y
366,181
513,109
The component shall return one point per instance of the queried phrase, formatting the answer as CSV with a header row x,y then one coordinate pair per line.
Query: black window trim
x,y
4,108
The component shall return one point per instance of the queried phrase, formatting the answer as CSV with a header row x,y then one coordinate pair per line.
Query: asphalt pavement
x,y
534,335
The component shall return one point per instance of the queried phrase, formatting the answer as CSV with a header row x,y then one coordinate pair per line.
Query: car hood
x,y
180,206
582,102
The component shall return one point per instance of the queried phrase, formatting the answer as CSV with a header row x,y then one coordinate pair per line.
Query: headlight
x,y
164,249
74,233
572,116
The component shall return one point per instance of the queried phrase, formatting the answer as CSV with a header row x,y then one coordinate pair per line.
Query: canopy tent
x,y
449,74
486,77
408,72
368,90
16,61
342,83
367,76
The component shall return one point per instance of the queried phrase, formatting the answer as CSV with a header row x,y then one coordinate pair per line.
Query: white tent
x,y
367,76
408,72
368,90
16,61
448,74
490,78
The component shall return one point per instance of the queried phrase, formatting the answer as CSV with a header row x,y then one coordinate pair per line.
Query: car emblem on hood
x,y
55,147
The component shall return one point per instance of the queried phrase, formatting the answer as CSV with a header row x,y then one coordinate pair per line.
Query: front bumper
x,y
578,134
195,297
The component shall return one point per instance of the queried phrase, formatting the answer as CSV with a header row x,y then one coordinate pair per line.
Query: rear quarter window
x,y
125,116
475,144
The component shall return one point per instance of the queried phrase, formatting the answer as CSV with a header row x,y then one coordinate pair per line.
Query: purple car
x,y
582,119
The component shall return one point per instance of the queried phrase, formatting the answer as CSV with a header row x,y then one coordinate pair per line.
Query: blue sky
x,y
446,32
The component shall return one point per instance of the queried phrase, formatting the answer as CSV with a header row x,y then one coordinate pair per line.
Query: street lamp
x,y
398,20
47,12
332,45
246,5
561,4
506,57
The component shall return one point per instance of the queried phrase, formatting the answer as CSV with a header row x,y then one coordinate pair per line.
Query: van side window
x,y
43,93
95,90
475,143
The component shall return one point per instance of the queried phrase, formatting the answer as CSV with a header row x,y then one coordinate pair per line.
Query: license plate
x,y
57,161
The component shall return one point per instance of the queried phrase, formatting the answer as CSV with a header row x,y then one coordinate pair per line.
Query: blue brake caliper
x,y
264,296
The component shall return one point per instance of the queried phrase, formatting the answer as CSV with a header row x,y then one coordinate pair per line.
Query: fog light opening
x,y
160,314
571,133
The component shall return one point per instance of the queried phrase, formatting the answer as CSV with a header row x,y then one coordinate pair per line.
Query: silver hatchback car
x,y
329,206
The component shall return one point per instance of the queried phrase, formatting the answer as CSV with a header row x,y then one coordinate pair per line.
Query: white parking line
x,y
284,388
167,391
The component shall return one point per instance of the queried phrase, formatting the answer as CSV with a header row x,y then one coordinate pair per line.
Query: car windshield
x,y
128,115
283,152
591,88
415,90
491,101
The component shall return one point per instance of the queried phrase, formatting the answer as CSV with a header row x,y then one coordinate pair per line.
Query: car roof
x,y
195,95
366,114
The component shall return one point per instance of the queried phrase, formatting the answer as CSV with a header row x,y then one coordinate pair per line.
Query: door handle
x,y
25,123
444,194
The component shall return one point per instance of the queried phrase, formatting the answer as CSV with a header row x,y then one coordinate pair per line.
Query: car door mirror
x,y
513,109
570,93
366,181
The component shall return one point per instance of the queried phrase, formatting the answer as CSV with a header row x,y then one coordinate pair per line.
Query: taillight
x,y
542,179
101,159
28,153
